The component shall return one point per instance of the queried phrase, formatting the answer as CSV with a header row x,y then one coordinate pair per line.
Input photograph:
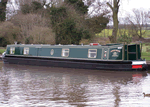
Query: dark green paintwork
x,y
113,52
131,51
118,53
106,54
8,50
18,50
80,52
99,53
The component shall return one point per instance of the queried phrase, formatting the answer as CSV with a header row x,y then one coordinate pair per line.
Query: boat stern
x,y
139,65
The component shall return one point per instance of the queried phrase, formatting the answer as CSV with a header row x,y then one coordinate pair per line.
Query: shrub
x,y
124,39
25,9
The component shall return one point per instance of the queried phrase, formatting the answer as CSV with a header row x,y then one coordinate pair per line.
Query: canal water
x,y
33,86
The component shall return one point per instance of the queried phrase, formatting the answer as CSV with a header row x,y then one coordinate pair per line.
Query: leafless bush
x,y
42,35
30,22
10,32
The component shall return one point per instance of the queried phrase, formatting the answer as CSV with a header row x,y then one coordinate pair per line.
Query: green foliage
x,y
97,23
65,27
34,7
28,39
124,39
71,1
79,5
25,9
3,42
2,15
57,14
3,4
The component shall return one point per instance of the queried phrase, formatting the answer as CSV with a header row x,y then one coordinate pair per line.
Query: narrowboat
x,y
92,56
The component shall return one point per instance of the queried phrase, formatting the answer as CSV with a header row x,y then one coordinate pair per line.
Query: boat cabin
x,y
93,51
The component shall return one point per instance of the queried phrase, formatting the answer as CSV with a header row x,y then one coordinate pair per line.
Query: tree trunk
x,y
115,9
115,27
3,4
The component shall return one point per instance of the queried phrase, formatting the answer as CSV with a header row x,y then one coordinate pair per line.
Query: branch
x,y
110,6
118,2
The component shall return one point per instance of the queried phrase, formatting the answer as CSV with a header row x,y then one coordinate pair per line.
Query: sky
x,y
127,6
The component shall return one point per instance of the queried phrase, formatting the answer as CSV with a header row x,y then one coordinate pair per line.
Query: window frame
x,y
26,51
92,52
12,50
64,51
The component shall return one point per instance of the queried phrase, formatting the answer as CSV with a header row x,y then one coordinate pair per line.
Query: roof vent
x,y
15,42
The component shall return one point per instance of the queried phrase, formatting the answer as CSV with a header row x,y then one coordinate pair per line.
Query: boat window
x,y
52,51
26,51
12,50
92,53
65,52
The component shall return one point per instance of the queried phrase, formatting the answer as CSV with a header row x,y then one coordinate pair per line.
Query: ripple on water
x,y
28,86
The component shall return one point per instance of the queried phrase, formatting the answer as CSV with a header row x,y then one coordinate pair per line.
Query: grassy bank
x,y
2,50
108,32
146,51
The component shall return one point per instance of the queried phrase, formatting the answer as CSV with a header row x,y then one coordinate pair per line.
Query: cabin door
x,y
105,54
38,50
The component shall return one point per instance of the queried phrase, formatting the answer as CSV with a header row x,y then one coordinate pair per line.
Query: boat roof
x,y
64,46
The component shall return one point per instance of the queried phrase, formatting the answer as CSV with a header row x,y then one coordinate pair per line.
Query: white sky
x,y
127,5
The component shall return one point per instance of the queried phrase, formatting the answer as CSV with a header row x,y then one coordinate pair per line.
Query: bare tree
x,y
44,2
35,27
138,22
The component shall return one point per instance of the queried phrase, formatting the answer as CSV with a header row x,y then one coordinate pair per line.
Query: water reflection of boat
x,y
72,86
93,56
49,71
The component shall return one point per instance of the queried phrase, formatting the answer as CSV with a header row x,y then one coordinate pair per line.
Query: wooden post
x,y
127,53
141,48
136,52
123,52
